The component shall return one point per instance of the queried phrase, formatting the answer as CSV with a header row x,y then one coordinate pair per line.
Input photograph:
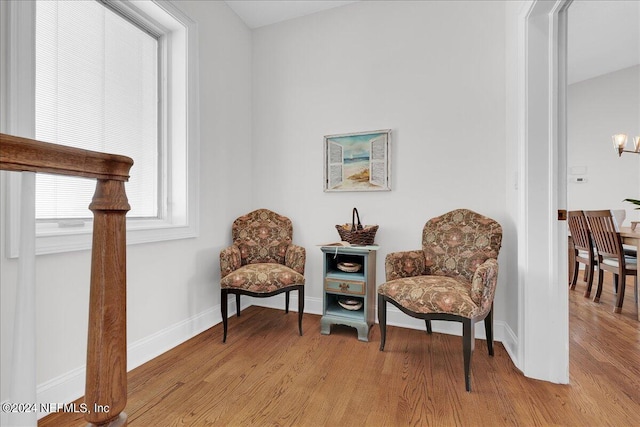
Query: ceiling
x,y
258,13
604,36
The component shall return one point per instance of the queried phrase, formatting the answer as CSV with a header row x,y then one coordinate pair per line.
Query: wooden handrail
x,y
23,154
106,380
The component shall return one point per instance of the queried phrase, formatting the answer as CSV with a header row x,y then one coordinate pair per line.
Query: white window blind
x,y
97,89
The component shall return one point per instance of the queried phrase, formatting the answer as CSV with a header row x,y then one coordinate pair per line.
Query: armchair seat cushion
x,y
432,294
262,278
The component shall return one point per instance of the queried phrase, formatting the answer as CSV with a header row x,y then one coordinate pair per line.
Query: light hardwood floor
x,y
268,375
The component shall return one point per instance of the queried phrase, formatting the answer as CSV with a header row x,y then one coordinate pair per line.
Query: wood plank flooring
x,y
266,374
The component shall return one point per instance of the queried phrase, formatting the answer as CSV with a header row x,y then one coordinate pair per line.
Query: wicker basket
x,y
356,233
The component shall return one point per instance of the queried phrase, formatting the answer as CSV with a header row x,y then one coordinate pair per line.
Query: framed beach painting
x,y
357,161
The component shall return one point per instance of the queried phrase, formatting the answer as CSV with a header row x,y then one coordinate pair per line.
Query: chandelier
x,y
620,143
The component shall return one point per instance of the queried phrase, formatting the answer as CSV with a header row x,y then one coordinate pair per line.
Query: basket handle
x,y
355,214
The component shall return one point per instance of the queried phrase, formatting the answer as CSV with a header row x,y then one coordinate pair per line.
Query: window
x,y
101,74
96,87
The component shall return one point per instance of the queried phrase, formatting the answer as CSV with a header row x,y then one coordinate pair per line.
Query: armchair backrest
x,y
262,236
457,243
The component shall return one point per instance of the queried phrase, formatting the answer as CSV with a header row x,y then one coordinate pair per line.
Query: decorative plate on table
x,y
350,304
349,267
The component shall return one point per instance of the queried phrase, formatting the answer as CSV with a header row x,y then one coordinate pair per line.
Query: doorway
x,y
542,157
603,99
542,246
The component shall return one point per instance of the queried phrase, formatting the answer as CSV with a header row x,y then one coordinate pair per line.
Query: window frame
x,y
179,113
48,225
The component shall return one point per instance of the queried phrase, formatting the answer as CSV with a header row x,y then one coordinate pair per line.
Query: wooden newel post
x,y
106,385
106,381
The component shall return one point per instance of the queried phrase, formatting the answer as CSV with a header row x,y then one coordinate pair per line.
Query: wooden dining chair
x,y
583,249
620,215
611,257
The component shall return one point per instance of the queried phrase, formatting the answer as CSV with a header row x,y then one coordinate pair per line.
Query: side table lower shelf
x,y
336,315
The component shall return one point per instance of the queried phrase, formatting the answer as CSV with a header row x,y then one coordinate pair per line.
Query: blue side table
x,y
349,296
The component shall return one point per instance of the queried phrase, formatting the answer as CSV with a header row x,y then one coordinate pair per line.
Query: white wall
x,y
172,291
598,108
433,72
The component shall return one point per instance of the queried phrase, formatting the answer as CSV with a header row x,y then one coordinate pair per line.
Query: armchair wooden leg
x,y
468,340
224,309
382,320
488,327
300,307
237,305
286,302
428,324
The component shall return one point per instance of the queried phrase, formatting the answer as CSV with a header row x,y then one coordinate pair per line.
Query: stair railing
x,y
106,370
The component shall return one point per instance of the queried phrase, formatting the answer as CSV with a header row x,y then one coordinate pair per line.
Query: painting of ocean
x,y
352,158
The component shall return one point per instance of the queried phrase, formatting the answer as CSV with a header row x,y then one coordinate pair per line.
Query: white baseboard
x,y
162,341
510,342
62,389
70,386
501,330
311,305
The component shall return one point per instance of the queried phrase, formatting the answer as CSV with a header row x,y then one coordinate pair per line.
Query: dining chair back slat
x,y
604,231
610,253
583,249
579,229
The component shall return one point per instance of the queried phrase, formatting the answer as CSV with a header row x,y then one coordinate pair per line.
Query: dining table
x,y
631,236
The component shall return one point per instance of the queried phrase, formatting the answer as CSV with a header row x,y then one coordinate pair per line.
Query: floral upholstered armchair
x,y
261,262
452,278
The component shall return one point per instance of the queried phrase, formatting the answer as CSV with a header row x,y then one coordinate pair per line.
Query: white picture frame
x,y
357,161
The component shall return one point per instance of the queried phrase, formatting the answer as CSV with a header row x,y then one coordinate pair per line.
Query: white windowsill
x,y
145,232
52,239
